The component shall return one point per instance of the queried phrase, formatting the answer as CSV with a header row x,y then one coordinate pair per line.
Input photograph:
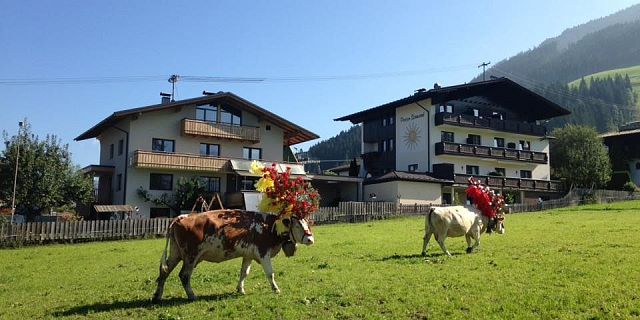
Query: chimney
x,y
436,86
165,97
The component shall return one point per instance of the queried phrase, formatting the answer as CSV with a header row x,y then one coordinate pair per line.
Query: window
x,y
119,180
476,112
111,151
120,147
473,170
159,213
248,183
497,115
391,120
498,142
230,115
383,143
384,122
413,167
473,139
159,181
163,145
251,153
501,171
446,108
511,145
525,145
392,144
387,121
207,149
268,127
211,184
446,136
525,174
207,113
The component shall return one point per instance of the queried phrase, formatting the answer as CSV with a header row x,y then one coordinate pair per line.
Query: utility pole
x,y
484,65
173,79
15,176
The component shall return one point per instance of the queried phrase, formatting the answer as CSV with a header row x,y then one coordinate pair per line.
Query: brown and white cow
x,y
458,221
222,235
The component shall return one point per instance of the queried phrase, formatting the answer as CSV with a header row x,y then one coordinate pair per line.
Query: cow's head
x,y
299,231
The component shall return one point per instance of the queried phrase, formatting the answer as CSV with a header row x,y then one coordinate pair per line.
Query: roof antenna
x,y
173,79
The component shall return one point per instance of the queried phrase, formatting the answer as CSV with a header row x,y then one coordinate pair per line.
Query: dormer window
x,y
448,108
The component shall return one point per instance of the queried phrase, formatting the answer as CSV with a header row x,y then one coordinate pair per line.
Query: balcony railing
x,y
470,150
178,161
513,183
220,130
464,120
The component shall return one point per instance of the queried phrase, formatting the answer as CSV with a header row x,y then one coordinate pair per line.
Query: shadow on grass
x,y
398,257
139,303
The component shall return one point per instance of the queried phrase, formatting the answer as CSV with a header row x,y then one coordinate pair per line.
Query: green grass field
x,y
578,263
633,72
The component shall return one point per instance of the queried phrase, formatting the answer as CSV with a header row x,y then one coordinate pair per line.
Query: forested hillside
x,y
604,103
344,146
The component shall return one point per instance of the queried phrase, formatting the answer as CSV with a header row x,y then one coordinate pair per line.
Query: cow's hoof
x,y
276,291
470,250
241,291
424,253
192,298
156,300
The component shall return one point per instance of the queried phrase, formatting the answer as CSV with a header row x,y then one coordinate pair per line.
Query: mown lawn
x,y
581,262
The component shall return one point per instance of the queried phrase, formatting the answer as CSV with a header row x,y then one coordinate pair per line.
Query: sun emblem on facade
x,y
412,135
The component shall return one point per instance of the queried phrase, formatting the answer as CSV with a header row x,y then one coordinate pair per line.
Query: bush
x,y
630,186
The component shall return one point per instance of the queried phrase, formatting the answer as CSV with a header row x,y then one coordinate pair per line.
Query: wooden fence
x,y
345,212
45,232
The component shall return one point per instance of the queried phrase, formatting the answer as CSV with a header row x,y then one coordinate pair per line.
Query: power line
x,y
224,79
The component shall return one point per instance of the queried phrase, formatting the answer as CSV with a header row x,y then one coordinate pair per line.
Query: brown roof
x,y
293,134
621,133
114,208
506,92
406,176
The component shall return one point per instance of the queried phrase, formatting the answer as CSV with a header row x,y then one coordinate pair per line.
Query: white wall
x,y
407,192
412,146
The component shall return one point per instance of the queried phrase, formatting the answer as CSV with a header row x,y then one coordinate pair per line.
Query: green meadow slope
x,y
633,72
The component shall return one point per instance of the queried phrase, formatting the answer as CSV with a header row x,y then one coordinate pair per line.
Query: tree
x,y
47,178
579,157
187,192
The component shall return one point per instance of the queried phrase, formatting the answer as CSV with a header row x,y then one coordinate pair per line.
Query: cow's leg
x,y
440,237
185,277
268,271
469,247
172,262
244,272
425,243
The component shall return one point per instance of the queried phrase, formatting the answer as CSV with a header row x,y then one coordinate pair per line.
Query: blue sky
x,y
432,41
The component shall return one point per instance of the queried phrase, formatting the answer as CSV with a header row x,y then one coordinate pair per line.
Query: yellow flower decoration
x,y
264,183
256,167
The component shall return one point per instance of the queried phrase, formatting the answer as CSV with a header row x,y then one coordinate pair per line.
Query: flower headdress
x,y
487,201
283,196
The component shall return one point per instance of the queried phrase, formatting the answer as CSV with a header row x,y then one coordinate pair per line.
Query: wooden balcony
x,y
463,120
512,183
470,150
220,130
177,161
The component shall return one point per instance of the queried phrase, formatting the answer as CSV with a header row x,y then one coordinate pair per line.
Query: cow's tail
x,y
429,222
163,259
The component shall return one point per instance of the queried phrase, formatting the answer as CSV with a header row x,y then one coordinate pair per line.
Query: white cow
x,y
458,221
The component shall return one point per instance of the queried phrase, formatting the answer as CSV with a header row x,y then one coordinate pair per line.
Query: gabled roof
x,y
503,91
293,133
406,176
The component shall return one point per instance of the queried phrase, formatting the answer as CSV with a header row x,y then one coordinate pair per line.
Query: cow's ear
x,y
286,222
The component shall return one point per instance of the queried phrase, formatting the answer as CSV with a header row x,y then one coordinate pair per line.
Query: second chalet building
x,y
423,148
